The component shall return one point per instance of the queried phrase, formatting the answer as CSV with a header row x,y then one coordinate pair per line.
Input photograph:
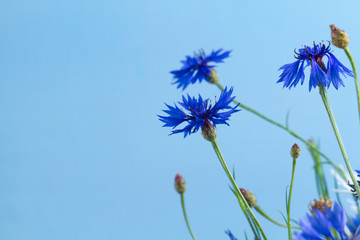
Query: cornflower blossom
x,y
199,113
231,236
197,68
293,73
328,224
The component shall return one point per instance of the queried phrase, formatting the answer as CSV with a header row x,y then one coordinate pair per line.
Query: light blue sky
x,y
82,153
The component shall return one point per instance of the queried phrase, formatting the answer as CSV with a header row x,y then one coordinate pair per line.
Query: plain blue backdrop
x,y
82,152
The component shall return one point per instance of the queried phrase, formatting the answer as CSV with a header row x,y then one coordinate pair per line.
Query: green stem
x,y
289,201
348,54
324,97
260,211
236,188
185,216
286,129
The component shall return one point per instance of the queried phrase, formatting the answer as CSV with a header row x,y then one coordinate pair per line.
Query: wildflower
x,y
199,113
231,236
295,151
197,68
180,185
294,72
327,224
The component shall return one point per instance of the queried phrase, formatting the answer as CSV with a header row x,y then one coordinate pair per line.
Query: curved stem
x,y
260,211
286,129
324,97
348,54
289,201
185,216
236,188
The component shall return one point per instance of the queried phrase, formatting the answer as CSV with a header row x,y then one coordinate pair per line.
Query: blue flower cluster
x,y
329,224
294,72
199,112
197,68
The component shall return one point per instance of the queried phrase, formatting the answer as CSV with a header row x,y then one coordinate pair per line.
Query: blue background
x,y
82,152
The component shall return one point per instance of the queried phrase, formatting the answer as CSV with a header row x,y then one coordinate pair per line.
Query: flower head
x,y
199,113
326,224
198,68
313,56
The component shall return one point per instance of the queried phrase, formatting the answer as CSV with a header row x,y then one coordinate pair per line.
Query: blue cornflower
x,y
353,190
354,225
197,68
294,72
231,236
323,224
199,113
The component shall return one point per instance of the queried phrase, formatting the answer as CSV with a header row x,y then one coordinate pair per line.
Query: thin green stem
x,y
289,200
236,188
185,216
324,97
348,54
260,211
286,129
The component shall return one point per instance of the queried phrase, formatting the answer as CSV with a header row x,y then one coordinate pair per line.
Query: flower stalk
x,y
325,100
288,130
295,154
262,213
243,203
185,216
348,54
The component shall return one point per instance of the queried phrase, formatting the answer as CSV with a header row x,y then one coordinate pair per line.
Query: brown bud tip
x,y
339,37
214,77
320,205
249,197
208,131
180,184
295,151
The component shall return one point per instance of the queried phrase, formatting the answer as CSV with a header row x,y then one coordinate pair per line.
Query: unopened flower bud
x,y
214,77
339,37
180,184
295,151
249,197
320,205
208,131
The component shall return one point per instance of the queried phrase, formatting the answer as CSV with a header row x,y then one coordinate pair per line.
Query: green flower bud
x,y
214,77
180,184
208,131
295,151
249,197
339,37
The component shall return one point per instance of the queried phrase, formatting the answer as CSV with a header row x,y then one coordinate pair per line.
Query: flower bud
x,y
320,205
180,184
208,131
295,151
214,77
249,197
339,37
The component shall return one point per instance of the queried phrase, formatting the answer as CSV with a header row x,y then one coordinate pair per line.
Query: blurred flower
x,y
294,72
199,113
249,197
231,236
197,68
346,186
353,190
330,224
